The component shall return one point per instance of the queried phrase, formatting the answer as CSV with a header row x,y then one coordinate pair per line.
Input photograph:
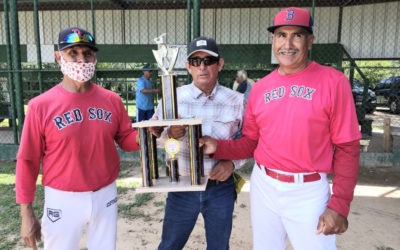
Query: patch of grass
x,y
4,123
131,210
159,203
9,210
142,199
383,248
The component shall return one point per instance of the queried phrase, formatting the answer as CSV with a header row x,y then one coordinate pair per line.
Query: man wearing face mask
x,y
70,131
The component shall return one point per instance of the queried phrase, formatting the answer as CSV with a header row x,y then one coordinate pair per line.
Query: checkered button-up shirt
x,y
221,114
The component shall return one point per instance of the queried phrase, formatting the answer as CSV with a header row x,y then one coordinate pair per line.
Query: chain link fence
x,y
357,38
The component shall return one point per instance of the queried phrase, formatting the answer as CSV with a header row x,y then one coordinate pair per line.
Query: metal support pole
x,y
10,75
196,18
93,22
93,31
37,39
189,32
312,15
188,22
339,34
16,57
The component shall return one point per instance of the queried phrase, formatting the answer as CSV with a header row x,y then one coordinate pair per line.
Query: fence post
x,y
9,68
387,135
17,64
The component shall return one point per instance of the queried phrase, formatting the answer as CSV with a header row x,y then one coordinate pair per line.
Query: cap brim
x,y
65,46
273,28
204,50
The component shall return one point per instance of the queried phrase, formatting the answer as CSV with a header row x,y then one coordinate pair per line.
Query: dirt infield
x,y
374,219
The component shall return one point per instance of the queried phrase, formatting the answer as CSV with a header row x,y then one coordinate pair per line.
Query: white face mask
x,y
78,71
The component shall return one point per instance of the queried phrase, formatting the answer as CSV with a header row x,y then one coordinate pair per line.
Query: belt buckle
x,y
298,178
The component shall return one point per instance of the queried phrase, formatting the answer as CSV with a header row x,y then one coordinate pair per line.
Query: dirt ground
x,y
374,219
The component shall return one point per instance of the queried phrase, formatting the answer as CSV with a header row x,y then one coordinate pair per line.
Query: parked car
x,y
358,94
388,93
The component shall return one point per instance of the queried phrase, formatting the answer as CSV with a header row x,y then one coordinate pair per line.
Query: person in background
x,y
144,95
243,86
240,73
221,111
300,125
69,134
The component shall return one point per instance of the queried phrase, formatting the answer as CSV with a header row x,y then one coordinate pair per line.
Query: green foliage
x,y
375,70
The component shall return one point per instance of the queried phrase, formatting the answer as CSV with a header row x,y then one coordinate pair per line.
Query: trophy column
x,y
169,102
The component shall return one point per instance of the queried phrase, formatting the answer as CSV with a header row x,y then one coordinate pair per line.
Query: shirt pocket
x,y
225,127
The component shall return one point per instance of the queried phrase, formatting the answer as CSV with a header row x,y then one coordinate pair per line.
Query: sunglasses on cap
x,y
75,38
196,61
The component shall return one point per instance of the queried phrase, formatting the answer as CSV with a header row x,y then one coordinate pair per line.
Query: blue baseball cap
x,y
73,36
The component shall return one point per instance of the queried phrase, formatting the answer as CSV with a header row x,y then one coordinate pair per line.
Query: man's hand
x,y
30,226
156,131
222,171
177,131
331,222
209,144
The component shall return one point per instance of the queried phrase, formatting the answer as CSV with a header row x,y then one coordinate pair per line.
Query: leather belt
x,y
290,178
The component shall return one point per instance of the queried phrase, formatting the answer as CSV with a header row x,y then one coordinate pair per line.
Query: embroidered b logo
x,y
290,15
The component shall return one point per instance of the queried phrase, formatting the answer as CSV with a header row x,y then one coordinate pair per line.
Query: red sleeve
x,y
126,137
345,171
25,184
29,154
241,148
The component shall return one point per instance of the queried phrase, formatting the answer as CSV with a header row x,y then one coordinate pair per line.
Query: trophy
x,y
166,58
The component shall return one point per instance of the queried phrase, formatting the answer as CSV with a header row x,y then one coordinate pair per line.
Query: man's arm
x,y
345,171
148,91
241,148
26,175
30,226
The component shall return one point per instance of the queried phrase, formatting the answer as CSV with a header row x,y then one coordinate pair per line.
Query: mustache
x,y
284,51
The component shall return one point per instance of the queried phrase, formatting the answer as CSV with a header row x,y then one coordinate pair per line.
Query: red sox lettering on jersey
x,y
295,91
75,115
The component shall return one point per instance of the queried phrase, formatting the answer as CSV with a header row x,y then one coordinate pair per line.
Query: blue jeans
x,y
144,115
216,205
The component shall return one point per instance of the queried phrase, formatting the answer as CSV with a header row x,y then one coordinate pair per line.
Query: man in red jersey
x,y
70,131
300,124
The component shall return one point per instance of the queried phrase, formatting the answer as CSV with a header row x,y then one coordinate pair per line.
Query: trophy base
x,y
163,185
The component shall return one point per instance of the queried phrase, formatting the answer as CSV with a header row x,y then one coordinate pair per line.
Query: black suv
x,y
388,93
358,94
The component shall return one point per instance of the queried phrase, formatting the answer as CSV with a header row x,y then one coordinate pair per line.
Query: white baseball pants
x,y
67,214
280,210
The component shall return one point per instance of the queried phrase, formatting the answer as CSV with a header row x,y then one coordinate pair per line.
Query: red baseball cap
x,y
293,16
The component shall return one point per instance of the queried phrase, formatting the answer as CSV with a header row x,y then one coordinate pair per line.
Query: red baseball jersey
x,y
297,118
73,136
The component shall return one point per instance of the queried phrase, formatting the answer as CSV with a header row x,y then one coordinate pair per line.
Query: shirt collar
x,y
197,93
